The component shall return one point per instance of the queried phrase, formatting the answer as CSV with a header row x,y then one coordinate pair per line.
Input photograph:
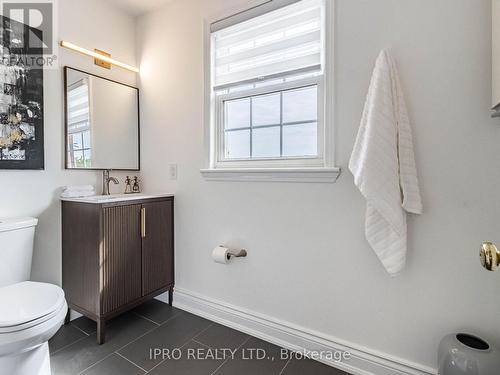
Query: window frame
x,y
84,150
306,169
309,161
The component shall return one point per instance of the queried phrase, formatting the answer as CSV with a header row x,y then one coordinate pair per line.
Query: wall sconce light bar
x,y
98,56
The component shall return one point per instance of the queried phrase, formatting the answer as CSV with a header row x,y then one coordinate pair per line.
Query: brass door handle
x,y
490,256
143,222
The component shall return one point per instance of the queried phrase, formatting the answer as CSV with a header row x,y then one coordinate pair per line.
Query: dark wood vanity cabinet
x,y
116,255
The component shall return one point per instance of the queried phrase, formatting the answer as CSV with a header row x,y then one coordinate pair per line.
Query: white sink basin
x,y
105,198
97,199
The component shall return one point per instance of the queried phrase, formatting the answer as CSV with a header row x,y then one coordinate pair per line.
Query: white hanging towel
x,y
383,165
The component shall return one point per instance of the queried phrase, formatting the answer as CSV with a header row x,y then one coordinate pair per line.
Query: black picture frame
x,y
21,119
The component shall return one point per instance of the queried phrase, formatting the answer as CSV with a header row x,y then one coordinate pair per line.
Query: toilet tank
x,y
16,249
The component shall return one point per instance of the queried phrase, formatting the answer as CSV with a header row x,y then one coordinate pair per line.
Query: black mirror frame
x,y
66,68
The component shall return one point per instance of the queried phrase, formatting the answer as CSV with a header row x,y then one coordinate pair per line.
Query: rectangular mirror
x,y
102,123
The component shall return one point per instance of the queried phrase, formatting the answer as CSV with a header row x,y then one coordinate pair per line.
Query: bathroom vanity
x,y
118,252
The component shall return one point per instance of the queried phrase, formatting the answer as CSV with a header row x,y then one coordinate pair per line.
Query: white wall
x,y
91,24
309,263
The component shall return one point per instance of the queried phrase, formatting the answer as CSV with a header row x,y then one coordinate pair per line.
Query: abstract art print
x,y
21,98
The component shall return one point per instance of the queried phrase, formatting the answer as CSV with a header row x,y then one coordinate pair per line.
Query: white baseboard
x,y
363,361
73,315
162,297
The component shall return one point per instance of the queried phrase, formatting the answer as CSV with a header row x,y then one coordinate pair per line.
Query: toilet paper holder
x,y
233,253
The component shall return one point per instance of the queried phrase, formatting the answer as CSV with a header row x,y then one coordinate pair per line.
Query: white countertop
x,y
99,199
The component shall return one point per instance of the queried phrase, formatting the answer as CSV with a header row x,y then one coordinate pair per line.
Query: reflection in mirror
x,y
79,137
102,123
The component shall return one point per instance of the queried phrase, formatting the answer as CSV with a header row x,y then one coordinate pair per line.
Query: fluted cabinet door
x,y
120,262
157,246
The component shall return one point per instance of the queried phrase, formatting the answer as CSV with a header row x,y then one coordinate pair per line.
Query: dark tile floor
x,y
186,345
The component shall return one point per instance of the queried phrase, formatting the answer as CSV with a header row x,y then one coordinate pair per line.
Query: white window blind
x,y
284,42
78,106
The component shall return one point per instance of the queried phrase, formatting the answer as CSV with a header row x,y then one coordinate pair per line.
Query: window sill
x,y
310,175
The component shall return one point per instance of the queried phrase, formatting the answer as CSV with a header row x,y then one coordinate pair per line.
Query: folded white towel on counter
x,y
383,165
78,191
79,188
77,194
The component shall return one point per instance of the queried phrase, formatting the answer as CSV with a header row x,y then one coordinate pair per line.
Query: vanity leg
x,y
171,295
67,317
101,331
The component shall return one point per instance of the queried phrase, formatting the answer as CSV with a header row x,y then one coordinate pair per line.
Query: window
x,y
79,129
281,124
268,68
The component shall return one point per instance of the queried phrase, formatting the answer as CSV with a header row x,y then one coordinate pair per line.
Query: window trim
x,y
255,10
271,170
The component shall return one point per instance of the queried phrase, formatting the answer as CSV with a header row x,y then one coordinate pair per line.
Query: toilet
x,y
30,312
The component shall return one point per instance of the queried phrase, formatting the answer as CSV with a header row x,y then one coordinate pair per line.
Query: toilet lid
x,y
28,302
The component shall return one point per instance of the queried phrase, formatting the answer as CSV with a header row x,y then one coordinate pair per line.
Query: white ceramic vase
x,y
464,354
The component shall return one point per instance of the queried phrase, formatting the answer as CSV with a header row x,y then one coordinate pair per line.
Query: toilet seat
x,y
20,346
28,304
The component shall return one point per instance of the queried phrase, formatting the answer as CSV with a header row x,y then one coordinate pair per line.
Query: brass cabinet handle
x,y
143,222
490,256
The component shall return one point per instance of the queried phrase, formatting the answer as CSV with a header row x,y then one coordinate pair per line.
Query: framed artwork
x,y
21,97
